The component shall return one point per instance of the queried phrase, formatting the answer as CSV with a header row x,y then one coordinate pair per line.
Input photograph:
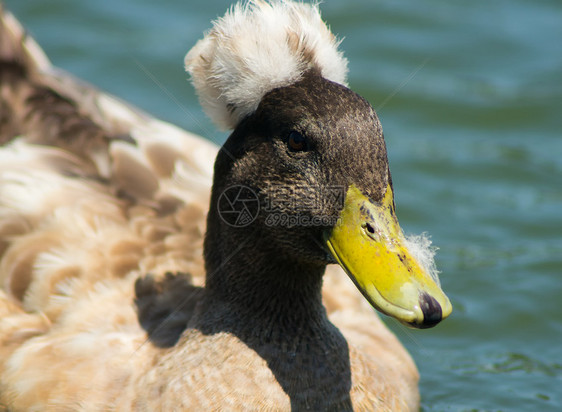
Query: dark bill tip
x,y
432,312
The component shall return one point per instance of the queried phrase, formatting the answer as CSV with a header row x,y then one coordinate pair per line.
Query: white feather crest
x,y
256,47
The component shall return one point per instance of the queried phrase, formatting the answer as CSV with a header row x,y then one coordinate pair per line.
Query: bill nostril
x,y
370,231
432,312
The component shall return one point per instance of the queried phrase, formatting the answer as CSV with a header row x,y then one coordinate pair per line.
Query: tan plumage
x,y
95,194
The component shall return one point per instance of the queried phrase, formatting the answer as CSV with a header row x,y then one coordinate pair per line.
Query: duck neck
x,y
258,285
273,304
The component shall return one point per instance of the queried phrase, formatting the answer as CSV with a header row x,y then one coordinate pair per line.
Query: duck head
x,y
306,164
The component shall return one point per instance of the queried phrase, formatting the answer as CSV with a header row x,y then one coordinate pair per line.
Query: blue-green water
x,y
470,96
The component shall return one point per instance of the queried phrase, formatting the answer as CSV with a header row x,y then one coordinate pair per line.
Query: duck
x,y
143,268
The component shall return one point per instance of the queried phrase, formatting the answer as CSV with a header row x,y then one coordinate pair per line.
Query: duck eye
x,y
297,142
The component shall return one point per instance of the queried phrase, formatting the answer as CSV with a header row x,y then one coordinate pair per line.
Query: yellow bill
x,y
370,246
